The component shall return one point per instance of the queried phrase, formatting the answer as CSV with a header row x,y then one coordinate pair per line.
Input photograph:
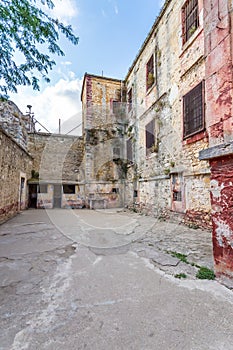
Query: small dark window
x,y
129,99
135,193
115,190
69,189
150,73
129,147
193,102
190,19
43,189
150,137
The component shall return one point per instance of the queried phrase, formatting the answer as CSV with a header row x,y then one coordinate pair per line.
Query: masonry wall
x,y
104,125
178,68
15,123
58,161
15,169
57,157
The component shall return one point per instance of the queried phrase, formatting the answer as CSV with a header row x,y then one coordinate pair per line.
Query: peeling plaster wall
x,y
218,33
222,213
218,51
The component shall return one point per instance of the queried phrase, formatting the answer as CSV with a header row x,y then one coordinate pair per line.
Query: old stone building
x,y
159,141
162,100
177,105
103,130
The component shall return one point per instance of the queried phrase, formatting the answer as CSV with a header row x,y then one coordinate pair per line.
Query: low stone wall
x,y
15,169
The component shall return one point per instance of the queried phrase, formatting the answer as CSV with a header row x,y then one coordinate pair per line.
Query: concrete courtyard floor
x,y
79,279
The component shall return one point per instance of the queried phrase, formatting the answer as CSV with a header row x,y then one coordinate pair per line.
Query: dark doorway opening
x,y
32,200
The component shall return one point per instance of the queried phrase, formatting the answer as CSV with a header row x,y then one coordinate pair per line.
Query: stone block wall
x,y
57,157
15,169
178,67
15,123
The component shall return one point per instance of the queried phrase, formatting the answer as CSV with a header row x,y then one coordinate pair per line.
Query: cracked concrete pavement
x,y
79,279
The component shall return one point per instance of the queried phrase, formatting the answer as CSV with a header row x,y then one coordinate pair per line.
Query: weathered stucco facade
x,y
219,122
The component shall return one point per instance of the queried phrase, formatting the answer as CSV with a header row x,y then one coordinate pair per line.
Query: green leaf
x,y
24,27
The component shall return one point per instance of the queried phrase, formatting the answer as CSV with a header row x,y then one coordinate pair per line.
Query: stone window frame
x,y
150,136
194,111
190,19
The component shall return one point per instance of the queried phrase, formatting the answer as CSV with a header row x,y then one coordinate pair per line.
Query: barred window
x,y
150,136
190,19
193,107
150,73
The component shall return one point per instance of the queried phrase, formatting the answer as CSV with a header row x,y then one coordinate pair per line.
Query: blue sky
x,y
110,32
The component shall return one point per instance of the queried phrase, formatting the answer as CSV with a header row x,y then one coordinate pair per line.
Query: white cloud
x,y
67,63
64,10
58,101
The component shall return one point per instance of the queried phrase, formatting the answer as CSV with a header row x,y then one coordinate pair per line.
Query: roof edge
x,y
157,20
98,77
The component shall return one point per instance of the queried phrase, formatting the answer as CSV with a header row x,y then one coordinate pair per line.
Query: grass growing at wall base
x,y
204,273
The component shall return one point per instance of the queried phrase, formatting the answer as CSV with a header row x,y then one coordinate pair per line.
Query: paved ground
x,y
105,280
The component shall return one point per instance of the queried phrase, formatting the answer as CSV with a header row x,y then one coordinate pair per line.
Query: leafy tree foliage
x,y
27,28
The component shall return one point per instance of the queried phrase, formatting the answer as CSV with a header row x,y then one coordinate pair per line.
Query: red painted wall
x,y
222,216
218,81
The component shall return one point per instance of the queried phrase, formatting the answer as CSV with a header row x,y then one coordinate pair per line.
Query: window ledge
x,y
188,43
194,138
150,89
152,155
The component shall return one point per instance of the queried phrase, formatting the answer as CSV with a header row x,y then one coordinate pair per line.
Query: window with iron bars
x,y
193,107
190,19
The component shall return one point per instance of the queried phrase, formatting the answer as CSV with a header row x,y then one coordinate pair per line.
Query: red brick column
x,y
222,216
